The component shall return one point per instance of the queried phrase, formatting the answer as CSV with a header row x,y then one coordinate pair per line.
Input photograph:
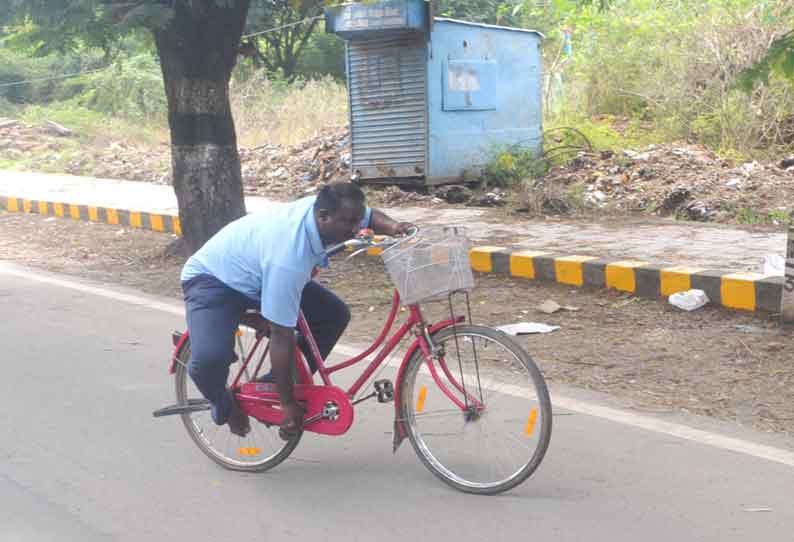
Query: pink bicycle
x,y
470,399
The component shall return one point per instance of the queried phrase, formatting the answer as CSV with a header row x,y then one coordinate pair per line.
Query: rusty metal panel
x,y
387,80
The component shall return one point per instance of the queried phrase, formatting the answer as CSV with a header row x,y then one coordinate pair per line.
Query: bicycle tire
x,y
195,424
412,401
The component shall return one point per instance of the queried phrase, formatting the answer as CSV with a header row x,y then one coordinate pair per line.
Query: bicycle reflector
x,y
420,401
531,421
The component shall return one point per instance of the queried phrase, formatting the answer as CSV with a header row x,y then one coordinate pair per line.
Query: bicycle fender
x,y
399,426
179,341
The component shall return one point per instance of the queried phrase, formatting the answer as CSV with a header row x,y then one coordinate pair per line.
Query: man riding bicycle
x,y
265,261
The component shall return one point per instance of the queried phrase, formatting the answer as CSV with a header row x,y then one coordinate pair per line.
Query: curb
x,y
135,219
734,290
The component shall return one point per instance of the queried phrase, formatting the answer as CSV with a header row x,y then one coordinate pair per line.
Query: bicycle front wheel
x,y
262,448
500,435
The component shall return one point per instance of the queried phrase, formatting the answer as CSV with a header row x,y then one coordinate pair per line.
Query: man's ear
x,y
323,215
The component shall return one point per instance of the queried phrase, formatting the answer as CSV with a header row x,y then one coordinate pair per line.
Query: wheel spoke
x,y
487,454
257,451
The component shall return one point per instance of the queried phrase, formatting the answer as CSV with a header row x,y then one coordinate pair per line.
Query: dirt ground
x,y
685,181
729,365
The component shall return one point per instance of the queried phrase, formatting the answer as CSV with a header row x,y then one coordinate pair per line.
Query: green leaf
x,y
787,64
778,59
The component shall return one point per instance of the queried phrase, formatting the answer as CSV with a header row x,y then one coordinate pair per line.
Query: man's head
x,y
339,210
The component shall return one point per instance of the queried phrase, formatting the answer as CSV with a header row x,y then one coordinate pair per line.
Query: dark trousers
x,y
213,315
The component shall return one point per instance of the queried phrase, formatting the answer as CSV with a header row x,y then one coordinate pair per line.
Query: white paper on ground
x,y
774,265
526,328
690,300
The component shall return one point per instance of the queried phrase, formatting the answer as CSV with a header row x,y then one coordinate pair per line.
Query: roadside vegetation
x,y
620,74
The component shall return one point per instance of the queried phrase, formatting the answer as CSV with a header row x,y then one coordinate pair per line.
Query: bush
x,y
324,56
673,65
8,109
42,75
132,88
513,164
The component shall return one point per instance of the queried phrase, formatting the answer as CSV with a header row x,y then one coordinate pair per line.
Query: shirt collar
x,y
315,241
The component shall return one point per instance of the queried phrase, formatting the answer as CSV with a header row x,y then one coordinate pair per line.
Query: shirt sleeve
x,y
367,218
281,295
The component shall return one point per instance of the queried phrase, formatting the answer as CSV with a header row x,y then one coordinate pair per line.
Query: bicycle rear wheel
x,y
500,438
262,448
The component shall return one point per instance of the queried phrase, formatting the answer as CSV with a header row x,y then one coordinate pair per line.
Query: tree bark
x,y
198,50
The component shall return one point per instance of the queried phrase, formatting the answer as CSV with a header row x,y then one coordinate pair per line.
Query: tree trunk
x,y
198,50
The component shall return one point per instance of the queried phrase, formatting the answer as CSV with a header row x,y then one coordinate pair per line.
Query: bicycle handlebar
x,y
363,242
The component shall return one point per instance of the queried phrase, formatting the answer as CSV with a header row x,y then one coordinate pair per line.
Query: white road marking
x,y
778,455
16,271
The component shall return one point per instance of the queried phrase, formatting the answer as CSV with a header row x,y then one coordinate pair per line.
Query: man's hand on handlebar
x,y
402,228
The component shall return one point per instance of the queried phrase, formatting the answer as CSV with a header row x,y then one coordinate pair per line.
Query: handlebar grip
x,y
335,249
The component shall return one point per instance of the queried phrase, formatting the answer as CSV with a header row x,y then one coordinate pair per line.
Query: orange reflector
x,y
238,333
533,418
250,451
420,401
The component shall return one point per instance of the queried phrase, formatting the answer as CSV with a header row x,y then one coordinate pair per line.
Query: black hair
x,y
334,195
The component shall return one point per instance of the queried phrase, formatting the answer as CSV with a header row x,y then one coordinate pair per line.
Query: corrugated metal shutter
x,y
388,109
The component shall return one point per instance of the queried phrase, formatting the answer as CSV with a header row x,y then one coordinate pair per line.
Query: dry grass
x,y
272,112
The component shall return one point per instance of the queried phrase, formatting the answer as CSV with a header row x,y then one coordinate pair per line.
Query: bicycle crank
x,y
330,412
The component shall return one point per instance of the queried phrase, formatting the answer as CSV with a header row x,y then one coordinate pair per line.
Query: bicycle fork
x,y
436,354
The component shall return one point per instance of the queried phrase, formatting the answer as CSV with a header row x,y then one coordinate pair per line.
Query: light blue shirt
x,y
268,255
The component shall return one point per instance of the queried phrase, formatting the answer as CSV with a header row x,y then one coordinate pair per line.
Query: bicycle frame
x,y
422,342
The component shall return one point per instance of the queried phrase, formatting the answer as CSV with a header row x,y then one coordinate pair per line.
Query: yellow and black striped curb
x,y
135,219
735,290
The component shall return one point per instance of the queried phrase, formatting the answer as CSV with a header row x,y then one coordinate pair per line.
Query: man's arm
x,y
280,305
282,352
282,355
382,224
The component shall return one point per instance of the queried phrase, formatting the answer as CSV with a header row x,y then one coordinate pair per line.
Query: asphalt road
x,y
82,459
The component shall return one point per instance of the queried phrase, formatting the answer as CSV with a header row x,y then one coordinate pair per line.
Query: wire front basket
x,y
430,264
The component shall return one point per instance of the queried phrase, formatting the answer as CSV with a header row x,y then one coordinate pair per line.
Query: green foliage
x,y
672,65
480,11
44,74
50,26
513,164
8,109
778,59
324,55
280,51
752,217
778,217
603,133
90,125
748,216
78,119
131,88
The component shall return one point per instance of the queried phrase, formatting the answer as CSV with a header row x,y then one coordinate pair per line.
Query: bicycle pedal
x,y
385,391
